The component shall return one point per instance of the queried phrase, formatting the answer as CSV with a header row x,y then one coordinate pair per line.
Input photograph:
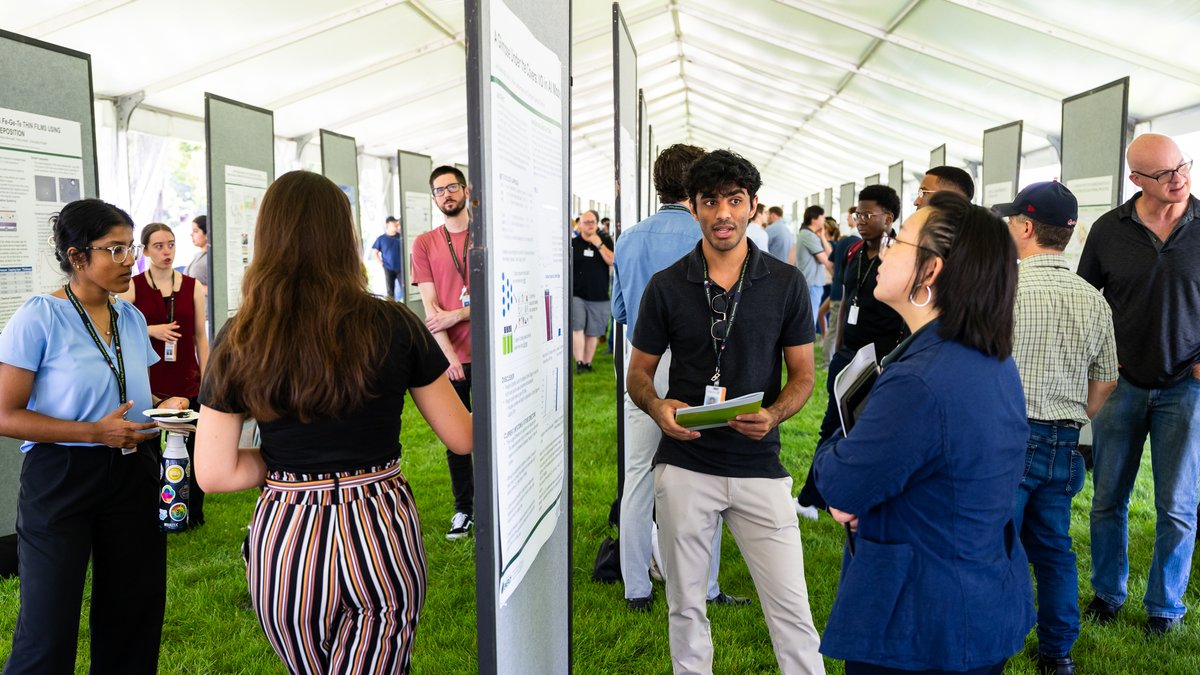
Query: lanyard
x,y
454,256
118,369
862,276
719,345
169,300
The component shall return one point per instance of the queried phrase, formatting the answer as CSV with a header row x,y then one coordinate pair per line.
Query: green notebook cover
x,y
716,415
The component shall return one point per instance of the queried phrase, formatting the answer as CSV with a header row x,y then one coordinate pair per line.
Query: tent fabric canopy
x,y
814,93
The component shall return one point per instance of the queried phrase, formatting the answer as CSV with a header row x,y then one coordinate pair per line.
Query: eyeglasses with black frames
x,y
1167,176
452,188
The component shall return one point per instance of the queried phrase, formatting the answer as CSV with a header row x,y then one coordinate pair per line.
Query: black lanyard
x,y
169,300
862,276
118,369
719,345
461,267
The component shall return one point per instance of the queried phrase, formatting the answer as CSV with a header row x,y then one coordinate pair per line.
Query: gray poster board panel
x,y
937,156
466,171
1095,131
414,169
849,198
642,142
339,163
651,193
795,212
896,178
43,79
1001,161
235,134
873,179
827,203
531,633
628,105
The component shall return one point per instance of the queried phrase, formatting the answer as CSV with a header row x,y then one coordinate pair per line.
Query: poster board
x,y
795,212
339,163
1095,132
873,179
896,178
1001,163
849,198
937,156
827,203
466,170
643,150
518,107
650,193
48,156
417,213
628,105
240,146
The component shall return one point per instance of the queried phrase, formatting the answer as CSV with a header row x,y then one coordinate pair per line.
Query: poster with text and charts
x,y
629,172
41,169
244,190
1095,197
529,387
418,209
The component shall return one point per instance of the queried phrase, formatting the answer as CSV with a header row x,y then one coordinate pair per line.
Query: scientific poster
x,y
1095,197
629,186
998,193
418,214
41,169
529,388
244,190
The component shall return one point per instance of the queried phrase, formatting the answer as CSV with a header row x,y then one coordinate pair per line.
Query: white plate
x,y
171,416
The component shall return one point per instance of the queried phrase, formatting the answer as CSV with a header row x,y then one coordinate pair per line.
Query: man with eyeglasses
x,y
862,319
591,259
941,178
1064,349
1144,256
642,251
440,271
732,317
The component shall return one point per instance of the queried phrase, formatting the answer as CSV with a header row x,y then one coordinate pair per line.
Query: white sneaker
x,y
655,574
809,512
460,526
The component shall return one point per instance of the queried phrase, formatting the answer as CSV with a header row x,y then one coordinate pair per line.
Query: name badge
x,y
589,253
169,351
852,315
713,394
465,297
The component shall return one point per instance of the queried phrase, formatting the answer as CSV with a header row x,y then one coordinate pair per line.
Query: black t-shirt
x,y
1154,290
361,438
877,322
774,312
591,272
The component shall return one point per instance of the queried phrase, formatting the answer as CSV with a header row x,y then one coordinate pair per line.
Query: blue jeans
x,y
1171,417
1054,473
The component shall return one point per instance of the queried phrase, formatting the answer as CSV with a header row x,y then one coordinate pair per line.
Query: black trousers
x,y
389,278
462,472
809,496
77,503
859,668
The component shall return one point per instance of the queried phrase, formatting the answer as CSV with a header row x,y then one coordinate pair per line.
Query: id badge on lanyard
x,y
852,315
464,296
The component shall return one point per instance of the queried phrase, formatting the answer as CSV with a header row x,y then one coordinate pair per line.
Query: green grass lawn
x,y
210,629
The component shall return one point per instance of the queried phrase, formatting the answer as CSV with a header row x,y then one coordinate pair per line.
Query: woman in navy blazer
x,y
937,581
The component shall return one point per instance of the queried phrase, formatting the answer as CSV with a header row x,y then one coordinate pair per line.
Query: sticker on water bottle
x,y
174,473
168,494
179,513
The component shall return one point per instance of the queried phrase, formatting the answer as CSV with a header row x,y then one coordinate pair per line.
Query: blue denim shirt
x,y
939,579
645,249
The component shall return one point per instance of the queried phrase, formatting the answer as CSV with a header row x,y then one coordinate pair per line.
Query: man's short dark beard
x,y
457,210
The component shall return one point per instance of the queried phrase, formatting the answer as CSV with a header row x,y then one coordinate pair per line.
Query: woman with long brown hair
x,y
336,561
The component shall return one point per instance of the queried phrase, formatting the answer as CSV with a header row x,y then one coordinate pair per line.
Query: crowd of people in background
x,y
953,479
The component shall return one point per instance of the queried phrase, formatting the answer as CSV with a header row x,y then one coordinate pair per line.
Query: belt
x,y
1071,424
335,482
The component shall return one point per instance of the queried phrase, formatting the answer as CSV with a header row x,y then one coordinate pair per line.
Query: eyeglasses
x,y
921,192
887,241
1184,169
719,304
120,252
452,188
864,217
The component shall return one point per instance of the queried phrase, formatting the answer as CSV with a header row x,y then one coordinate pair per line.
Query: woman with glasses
x,y
336,561
175,309
73,383
934,579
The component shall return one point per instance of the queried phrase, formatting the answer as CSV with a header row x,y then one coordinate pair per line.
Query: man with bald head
x,y
1145,257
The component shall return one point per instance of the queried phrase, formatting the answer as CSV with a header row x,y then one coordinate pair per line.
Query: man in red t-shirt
x,y
439,270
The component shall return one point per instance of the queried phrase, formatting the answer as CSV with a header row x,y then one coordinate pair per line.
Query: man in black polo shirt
x,y
862,320
731,317
1145,257
592,257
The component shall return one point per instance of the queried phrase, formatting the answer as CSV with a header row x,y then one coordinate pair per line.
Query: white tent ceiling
x,y
814,93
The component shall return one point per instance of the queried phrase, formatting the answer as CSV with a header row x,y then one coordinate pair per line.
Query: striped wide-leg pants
x,y
337,570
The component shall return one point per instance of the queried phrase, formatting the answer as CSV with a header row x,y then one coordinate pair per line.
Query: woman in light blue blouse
x,y
73,383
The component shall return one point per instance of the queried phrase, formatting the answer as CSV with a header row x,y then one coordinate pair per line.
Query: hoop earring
x,y
928,297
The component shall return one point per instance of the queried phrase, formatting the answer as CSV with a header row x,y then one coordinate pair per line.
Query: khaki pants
x,y
761,517
831,331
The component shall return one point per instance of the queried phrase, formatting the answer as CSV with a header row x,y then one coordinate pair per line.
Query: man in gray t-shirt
x,y
812,254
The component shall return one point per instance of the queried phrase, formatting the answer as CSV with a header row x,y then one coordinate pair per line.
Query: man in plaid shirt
x,y
1064,348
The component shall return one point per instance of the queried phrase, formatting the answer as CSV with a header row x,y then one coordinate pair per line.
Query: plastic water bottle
x,y
175,480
